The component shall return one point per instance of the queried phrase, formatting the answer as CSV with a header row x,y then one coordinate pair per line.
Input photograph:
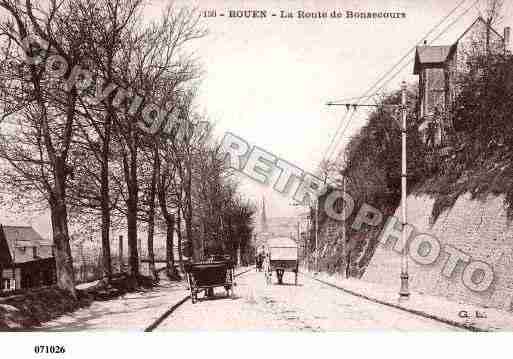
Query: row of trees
x,y
99,126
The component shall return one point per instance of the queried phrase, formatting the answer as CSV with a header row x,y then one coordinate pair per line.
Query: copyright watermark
x,y
423,248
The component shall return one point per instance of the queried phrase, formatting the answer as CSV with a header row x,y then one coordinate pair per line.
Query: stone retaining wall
x,y
478,228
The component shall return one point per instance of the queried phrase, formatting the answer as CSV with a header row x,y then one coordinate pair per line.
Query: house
x,y
26,259
438,68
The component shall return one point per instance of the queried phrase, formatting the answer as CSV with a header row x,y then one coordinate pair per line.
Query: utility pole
x,y
308,232
317,235
298,234
307,241
344,207
404,292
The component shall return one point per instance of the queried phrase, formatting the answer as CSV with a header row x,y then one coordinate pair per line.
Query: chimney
x,y
507,39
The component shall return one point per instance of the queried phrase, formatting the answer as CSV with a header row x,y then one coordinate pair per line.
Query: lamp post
x,y
404,292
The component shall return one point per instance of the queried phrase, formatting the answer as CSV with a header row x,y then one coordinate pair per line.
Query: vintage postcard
x,y
255,166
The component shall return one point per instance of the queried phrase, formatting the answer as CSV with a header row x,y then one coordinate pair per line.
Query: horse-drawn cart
x,y
210,274
282,255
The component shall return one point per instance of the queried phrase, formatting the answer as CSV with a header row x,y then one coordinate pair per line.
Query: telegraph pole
x,y
317,235
310,224
404,292
307,241
344,207
298,234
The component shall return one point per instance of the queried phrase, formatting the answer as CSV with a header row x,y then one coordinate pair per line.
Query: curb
x,y
163,317
175,306
398,306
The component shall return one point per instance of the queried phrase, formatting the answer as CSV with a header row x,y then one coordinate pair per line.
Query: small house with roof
x,y
439,68
26,259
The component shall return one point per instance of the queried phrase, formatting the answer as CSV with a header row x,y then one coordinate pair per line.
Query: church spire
x,y
264,217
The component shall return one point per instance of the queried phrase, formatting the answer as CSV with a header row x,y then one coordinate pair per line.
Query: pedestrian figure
x,y
259,261
267,269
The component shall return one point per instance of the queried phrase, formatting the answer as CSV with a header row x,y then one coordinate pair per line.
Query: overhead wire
x,y
410,61
394,67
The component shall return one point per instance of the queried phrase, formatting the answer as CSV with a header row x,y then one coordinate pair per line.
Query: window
x,y
34,252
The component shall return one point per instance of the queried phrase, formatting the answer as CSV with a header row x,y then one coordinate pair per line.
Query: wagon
x,y
208,275
281,256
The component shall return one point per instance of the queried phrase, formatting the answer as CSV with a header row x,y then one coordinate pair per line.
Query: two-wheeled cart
x,y
281,257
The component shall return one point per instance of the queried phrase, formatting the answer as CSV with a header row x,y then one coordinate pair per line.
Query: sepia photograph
x,y
276,171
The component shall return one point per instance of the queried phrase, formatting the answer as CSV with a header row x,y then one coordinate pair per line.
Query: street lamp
x,y
404,292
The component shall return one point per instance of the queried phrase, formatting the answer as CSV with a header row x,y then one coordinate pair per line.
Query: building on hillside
x,y
438,68
26,259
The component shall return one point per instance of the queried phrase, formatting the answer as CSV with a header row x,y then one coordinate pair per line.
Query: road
x,y
310,306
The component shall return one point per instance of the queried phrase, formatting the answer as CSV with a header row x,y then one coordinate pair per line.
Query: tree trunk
x,y
348,264
106,260
170,218
132,202
196,245
82,269
131,219
151,216
105,204
62,249
170,258
151,253
120,254
179,233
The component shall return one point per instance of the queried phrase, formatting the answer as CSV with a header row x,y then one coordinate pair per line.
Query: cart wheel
x,y
210,292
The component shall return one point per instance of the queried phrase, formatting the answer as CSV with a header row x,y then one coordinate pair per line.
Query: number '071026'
x,y
49,349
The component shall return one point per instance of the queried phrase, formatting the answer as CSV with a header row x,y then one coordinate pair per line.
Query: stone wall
x,y
478,228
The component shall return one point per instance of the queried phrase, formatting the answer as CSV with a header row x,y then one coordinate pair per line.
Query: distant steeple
x,y
263,221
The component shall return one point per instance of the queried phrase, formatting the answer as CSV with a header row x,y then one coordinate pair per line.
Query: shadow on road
x,y
287,284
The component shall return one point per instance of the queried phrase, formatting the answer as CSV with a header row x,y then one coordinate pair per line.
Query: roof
x,y
431,55
281,242
438,55
20,238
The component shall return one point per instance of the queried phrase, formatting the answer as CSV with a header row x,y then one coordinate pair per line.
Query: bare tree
x,y
109,23
156,67
42,110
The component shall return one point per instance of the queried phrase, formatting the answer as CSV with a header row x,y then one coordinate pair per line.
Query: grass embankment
x,y
30,308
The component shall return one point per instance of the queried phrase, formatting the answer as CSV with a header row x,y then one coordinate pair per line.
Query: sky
x,y
268,80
